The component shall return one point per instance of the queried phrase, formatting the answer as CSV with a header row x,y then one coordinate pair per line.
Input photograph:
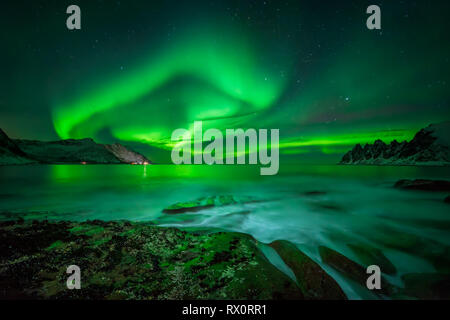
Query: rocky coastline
x,y
139,261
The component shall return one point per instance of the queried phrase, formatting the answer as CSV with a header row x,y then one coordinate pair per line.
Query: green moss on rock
x,y
122,260
207,202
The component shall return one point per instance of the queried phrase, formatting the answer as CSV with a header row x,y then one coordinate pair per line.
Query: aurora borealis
x,y
137,70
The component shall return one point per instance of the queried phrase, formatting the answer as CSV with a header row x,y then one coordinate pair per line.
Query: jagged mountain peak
x,y
430,146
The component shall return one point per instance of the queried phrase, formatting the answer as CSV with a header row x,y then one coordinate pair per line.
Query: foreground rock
x,y
435,252
350,269
207,202
425,185
314,282
122,260
430,146
373,256
84,151
427,286
433,286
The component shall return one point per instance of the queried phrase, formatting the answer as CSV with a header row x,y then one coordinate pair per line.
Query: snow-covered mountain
x,y
430,146
64,151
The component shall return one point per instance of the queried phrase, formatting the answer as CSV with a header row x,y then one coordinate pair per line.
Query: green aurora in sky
x,y
221,81
320,76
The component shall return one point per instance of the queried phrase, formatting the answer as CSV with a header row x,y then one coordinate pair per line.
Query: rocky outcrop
x,y
373,256
123,260
208,202
350,269
314,282
430,146
85,151
415,285
427,286
424,185
128,260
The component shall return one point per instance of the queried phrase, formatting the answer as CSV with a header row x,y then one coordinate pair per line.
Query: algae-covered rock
x,y
314,282
207,202
123,260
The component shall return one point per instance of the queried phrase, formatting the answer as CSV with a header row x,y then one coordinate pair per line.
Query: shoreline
x,y
140,260
129,260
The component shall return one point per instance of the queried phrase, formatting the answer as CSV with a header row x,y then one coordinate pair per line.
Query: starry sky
x,y
137,70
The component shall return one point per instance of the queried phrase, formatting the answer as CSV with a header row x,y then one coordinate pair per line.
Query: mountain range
x,y
85,151
430,146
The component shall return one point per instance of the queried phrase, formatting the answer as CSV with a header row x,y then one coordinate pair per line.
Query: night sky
x,y
137,70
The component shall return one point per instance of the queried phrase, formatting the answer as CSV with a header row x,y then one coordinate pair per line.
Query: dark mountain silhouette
x,y
430,146
17,151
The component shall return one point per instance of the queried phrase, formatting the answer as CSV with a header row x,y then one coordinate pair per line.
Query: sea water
x,y
311,206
